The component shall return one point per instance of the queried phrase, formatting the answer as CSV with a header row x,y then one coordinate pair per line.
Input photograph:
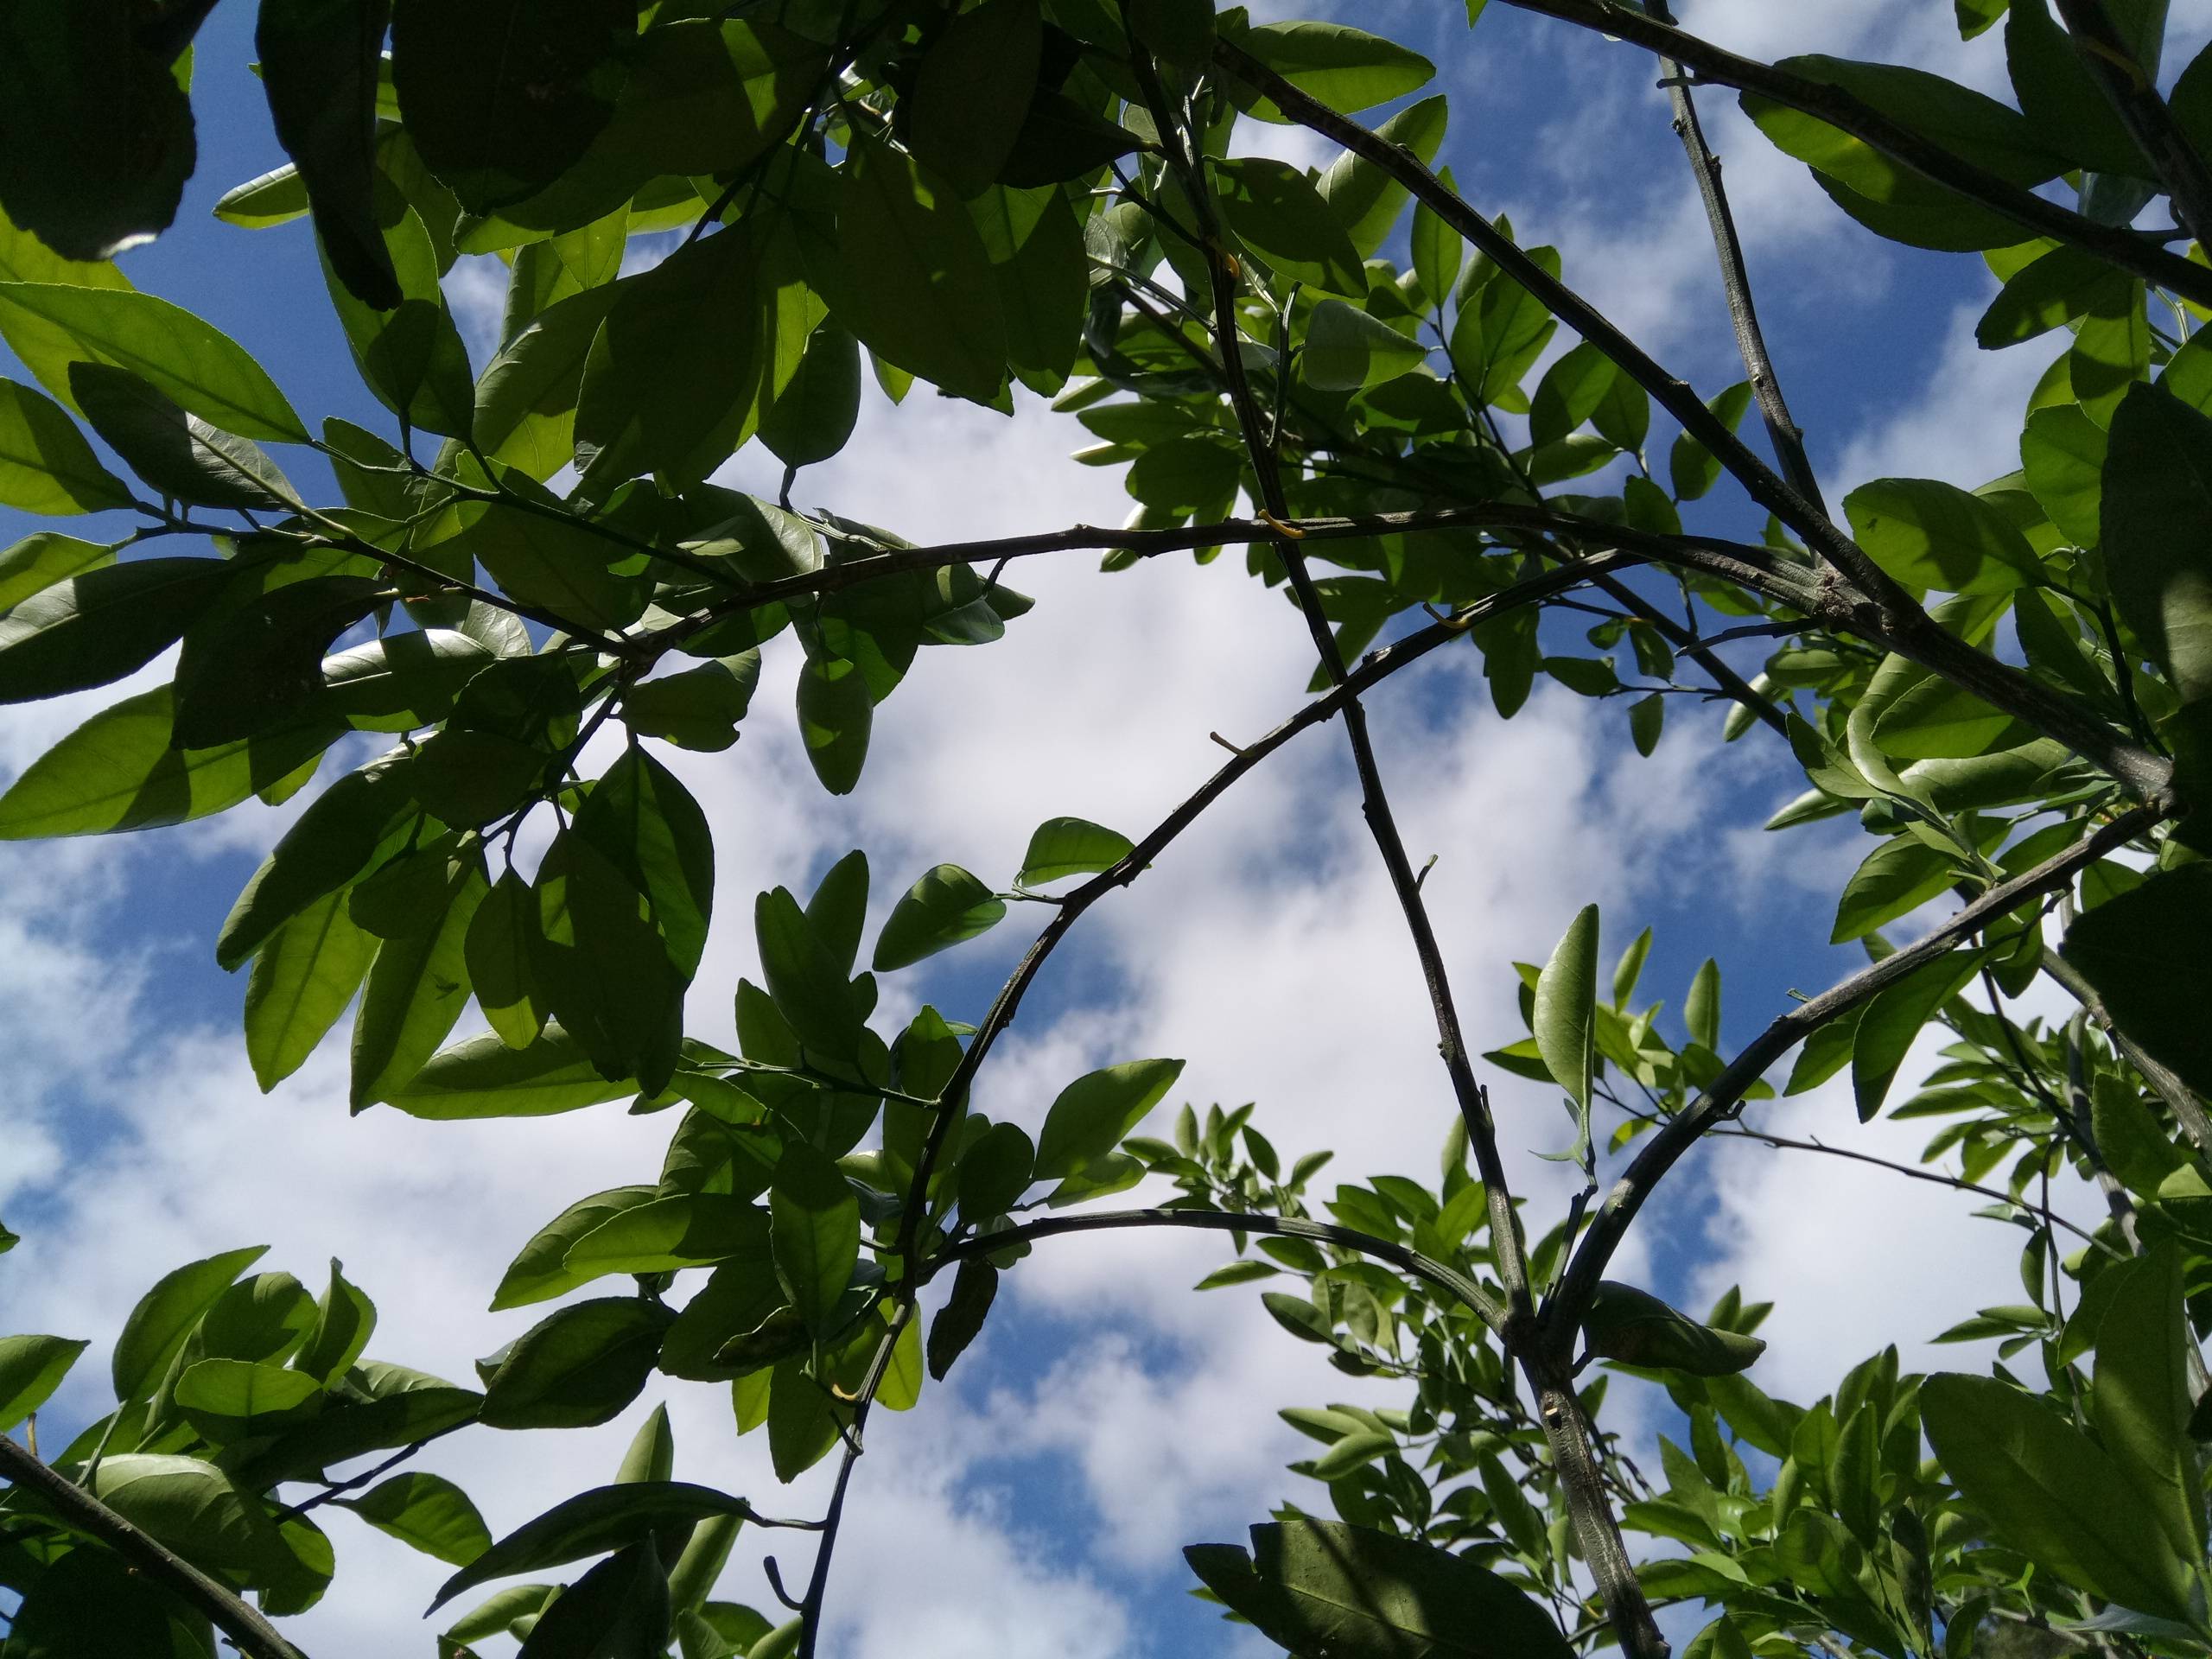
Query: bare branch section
x,y
1449,1279
1783,431
1564,1311
230,1613
2126,249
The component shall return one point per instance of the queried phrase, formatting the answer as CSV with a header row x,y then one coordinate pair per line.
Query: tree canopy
x,y
466,643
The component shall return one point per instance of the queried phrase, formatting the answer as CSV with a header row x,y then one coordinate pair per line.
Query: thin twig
x,y
1450,1279
1564,1311
1960,1184
1782,432
2127,249
229,1613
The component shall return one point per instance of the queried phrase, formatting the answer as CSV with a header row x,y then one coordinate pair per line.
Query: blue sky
x,y
1107,1417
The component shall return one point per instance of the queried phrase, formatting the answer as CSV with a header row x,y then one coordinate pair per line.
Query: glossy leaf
x,y
31,1368
46,466
319,61
1064,847
577,1367
425,1512
2143,951
1315,1585
1627,1324
192,365
815,1230
1566,995
1091,1115
944,907
2045,1489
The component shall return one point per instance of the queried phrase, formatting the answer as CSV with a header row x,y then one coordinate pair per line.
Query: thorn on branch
x,y
1226,744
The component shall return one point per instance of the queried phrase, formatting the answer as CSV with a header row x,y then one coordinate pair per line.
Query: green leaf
x,y
526,397
2062,455
41,560
962,1317
97,139
232,1400
485,1078
409,351
2048,293
2060,97
812,418
46,466
1635,1326
177,453
123,773
503,939
835,714
169,1313
91,1604
803,1420
1365,199
193,365
2046,1491
1322,1587
1701,1007
944,907
1886,1029
809,985
2142,1401
592,1523
417,987
31,1368
318,67
2157,507
643,819
1570,392
994,1172
664,1233
973,91
815,1231
578,1367
255,664
425,1512
345,1318
302,980
1277,213
1693,469
190,1505
96,628
915,285
542,1270
2144,950
1567,996
660,396
1064,846
1898,877
1346,68
619,1608
355,823
1347,349
503,96
1092,1114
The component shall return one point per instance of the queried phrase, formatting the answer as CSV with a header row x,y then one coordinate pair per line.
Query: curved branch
x,y
228,1612
1462,1289
1376,666
1783,431
1564,1311
1851,114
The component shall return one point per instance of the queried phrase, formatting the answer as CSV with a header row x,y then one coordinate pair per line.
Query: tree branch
x,y
1564,1311
1377,666
228,1612
1455,1284
1259,444
1935,1177
1782,432
1849,113
2134,98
